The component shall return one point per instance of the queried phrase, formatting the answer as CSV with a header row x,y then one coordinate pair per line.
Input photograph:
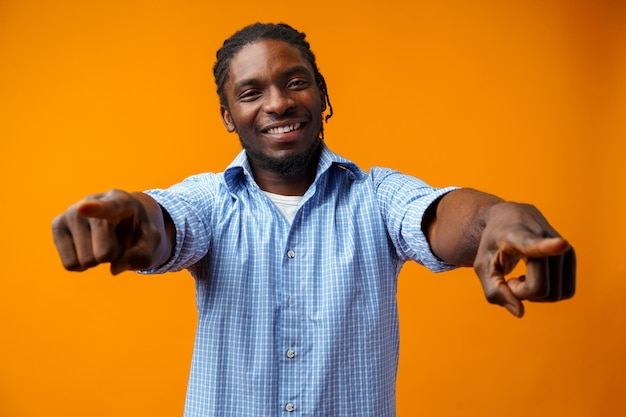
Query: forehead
x,y
266,58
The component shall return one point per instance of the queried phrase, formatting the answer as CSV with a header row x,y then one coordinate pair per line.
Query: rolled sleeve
x,y
403,200
189,206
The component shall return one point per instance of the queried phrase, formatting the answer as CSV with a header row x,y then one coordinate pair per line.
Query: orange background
x,y
525,99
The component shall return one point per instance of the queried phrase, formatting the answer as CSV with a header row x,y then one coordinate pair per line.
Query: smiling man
x,y
296,251
272,100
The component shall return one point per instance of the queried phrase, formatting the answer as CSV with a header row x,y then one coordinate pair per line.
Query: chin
x,y
289,164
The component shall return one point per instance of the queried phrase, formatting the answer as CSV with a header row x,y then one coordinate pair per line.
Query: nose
x,y
278,101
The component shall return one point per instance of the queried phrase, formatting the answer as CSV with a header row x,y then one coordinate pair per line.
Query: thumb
x,y
498,291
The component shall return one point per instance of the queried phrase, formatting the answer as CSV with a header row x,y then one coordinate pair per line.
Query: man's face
x,y
275,106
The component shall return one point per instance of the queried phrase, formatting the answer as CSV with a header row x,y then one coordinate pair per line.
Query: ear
x,y
227,119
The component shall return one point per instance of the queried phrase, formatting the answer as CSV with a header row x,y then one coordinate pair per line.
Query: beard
x,y
290,165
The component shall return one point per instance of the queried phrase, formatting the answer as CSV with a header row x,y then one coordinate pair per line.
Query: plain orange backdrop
x,y
525,99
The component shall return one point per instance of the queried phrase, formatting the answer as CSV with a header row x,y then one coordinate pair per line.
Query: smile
x,y
284,129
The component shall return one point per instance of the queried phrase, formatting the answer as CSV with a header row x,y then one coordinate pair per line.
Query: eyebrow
x,y
288,73
298,68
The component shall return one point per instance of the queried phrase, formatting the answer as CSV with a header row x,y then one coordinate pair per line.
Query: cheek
x,y
243,119
321,105
315,104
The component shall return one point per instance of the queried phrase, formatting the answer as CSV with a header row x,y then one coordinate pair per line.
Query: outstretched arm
x,y
471,228
129,230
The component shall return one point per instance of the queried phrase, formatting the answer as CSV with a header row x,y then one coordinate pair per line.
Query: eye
x,y
298,84
249,95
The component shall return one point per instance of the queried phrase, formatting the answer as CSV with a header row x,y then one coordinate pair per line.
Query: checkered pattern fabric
x,y
297,319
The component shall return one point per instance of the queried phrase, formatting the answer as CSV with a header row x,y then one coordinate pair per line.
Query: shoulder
x,y
392,179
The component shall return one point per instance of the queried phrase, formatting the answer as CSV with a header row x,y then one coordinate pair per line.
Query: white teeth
x,y
284,129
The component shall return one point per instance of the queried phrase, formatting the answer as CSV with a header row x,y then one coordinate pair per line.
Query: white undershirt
x,y
287,204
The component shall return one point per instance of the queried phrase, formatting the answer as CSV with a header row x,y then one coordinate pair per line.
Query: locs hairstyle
x,y
257,32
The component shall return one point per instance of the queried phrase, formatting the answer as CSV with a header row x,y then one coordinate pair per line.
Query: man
x,y
296,251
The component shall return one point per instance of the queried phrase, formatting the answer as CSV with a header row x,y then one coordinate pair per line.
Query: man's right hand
x,y
126,229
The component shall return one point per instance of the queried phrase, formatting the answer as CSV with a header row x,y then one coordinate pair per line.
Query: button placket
x,y
291,328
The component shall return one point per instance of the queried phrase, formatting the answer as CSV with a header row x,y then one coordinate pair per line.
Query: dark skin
x,y
472,228
276,107
271,88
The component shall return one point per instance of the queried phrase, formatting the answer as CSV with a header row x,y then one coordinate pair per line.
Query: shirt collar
x,y
240,167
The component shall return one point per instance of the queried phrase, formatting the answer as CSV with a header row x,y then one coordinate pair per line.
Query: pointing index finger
x,y
541,247
111,210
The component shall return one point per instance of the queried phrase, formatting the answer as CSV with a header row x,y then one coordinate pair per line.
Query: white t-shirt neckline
x,y
287,204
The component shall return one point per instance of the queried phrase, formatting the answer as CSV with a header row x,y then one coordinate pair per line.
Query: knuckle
x,y
538,289
96,196
58,223
59,230
493,296
116,195
493,293
86,262
62,222
481,267
70,265
104,255
568,293
512,237
74,266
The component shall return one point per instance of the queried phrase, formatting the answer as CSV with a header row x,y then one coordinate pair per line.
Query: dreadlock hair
x,y
257,32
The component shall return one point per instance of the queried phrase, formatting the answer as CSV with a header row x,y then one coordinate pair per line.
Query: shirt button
x,y
291,354
290,407
291,254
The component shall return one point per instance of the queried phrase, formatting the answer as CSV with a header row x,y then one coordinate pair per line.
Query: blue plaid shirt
x,y
297,319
